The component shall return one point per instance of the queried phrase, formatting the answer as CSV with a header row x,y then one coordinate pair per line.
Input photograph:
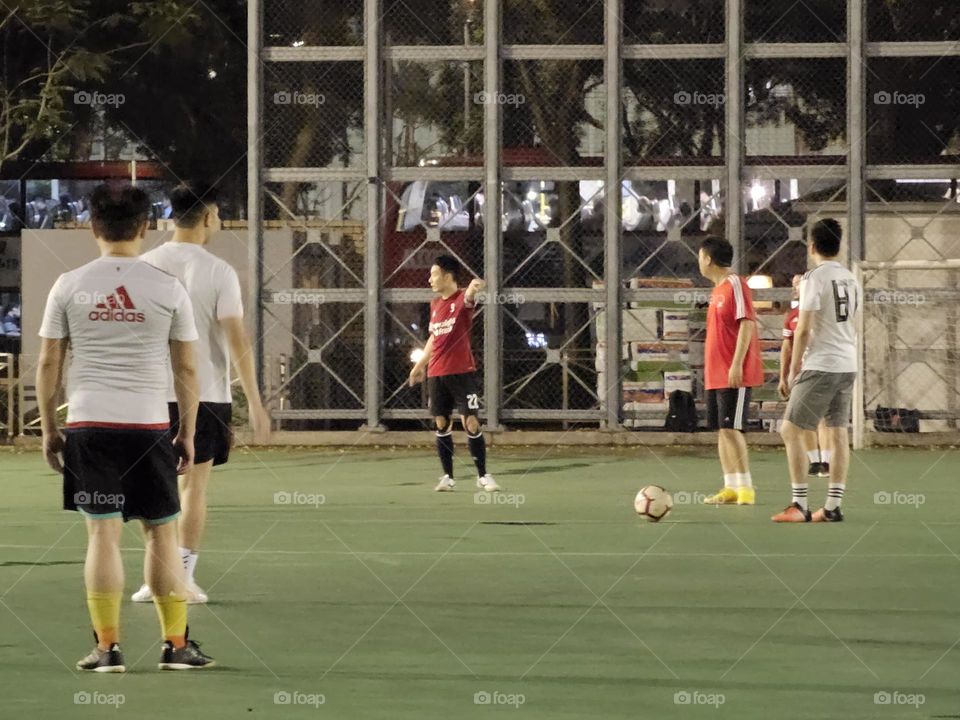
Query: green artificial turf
x,y
392,601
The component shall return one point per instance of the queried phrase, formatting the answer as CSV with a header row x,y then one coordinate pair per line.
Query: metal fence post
x,y
733,207
613,265
372,313
255,180
492,244
856,188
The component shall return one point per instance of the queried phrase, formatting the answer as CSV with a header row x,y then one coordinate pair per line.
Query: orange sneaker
x,y
793,513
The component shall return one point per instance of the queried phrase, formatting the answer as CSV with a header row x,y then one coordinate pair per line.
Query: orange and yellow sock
x,y
173,618
105,615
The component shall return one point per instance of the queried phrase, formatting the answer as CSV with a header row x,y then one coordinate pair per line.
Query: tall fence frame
x,y
376,172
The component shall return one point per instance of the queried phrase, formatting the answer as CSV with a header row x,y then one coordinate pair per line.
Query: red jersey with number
x,y
450,323
730,302
790,323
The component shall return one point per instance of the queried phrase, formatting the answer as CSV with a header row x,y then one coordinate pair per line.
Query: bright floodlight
x,y
416,355
759,282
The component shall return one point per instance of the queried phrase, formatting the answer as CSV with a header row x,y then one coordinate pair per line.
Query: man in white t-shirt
x,y
124,322
214,289
825,344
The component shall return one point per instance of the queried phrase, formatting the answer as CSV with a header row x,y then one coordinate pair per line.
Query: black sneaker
x,y
824,470
189,657
103,661
824,515
814,469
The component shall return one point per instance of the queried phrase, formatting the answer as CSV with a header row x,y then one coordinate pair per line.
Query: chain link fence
x,y
911,356
912,21
665,22
912,110
372,171
809,21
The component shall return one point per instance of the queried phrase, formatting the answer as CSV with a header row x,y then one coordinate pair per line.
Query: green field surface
x,y
340,576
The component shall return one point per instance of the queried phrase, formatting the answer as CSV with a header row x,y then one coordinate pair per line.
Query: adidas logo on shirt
x,y
117,307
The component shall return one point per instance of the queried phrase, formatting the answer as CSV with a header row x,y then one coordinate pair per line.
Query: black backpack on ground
x,y
682,414
896,420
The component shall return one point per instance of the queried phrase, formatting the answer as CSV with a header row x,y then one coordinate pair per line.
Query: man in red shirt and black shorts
x,y
733,367
448,364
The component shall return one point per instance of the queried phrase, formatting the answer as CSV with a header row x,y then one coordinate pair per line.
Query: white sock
x,y
813,456
800,494
834,495
730,480
189,558
825,455
744,480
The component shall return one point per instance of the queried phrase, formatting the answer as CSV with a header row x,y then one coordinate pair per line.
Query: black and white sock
x,y
834,495
478,450
800,491
445,450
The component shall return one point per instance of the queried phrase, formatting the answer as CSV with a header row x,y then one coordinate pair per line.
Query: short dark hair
x,y
826,235
448,264
118,213
189,202
718,250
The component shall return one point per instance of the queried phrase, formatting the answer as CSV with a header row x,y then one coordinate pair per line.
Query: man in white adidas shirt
x,y
825,344
124,322
214,289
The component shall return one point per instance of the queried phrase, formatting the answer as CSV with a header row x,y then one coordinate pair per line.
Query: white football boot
x,y
488,483
195,596
445,485
143,595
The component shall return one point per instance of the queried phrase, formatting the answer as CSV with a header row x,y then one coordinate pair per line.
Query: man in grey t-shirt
x,y
825,344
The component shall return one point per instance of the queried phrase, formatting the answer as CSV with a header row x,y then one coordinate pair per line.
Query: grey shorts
x,y
817,395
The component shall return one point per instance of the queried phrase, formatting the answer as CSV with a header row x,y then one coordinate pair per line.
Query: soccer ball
x,y
653,502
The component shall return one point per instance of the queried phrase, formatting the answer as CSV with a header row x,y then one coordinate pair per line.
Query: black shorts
x,y
214,436
454,391
728,408
121,473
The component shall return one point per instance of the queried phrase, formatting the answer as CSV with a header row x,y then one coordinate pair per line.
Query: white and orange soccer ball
x,y
653,503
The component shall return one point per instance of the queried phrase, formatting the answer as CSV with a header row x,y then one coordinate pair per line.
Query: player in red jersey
x,y
817,444
733,367
448,364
